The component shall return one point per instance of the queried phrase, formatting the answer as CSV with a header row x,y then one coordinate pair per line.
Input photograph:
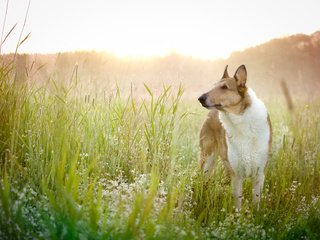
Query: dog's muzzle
x,y
203,100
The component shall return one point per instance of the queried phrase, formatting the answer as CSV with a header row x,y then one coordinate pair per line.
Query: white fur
x,y
247,138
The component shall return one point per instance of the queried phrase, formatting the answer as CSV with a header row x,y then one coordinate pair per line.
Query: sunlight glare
x,y
206,29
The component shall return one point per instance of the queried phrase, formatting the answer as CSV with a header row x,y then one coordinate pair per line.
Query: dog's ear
x,y
241,76
225,73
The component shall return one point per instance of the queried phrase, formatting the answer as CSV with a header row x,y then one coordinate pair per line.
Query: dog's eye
x,y
224,87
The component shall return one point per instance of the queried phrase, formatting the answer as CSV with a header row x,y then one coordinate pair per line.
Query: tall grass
x,y
80,164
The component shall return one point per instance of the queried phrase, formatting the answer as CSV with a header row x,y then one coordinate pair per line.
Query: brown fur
x,y
213,141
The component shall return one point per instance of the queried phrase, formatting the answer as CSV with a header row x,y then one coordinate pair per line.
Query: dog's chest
x,y
247,139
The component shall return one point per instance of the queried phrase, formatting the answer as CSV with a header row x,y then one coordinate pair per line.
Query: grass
x,y
80,164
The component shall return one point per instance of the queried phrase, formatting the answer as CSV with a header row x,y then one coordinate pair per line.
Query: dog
x,y
238,129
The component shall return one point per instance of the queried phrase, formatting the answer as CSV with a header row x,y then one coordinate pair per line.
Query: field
x,y
78,163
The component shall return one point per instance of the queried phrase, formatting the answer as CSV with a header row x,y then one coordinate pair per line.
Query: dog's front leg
x,y
236,184
257,189
208,166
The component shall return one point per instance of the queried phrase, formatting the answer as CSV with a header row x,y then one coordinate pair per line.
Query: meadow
x,y
83,162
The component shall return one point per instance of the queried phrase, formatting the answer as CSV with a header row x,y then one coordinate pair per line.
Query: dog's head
x,y
228,93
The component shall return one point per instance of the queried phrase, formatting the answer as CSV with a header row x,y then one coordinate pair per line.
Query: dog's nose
x,y
202,98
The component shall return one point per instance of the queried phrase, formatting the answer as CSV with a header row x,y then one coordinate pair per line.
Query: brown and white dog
x,y
238,129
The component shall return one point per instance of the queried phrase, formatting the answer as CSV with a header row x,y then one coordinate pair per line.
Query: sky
x,y
200,28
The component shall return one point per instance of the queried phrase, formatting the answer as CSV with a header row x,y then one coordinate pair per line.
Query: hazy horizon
x,y
205,29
